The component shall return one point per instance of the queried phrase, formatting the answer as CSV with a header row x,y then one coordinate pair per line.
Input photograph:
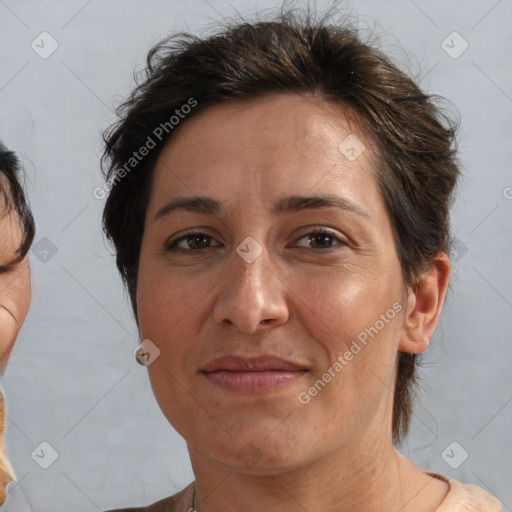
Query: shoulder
x,y
466,497
179,502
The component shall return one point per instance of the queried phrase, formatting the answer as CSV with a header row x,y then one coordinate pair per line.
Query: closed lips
x,y
255,364
252,375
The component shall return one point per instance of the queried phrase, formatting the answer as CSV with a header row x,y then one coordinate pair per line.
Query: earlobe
x,y
424,306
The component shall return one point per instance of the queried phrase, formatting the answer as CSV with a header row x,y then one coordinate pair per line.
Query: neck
x,y
352,478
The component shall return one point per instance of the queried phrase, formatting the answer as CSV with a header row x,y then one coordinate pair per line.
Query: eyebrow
x,y
289,204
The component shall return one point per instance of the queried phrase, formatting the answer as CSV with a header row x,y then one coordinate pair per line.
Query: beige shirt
x,y
460,498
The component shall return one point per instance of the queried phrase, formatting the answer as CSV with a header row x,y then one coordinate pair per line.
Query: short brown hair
x,y
292,53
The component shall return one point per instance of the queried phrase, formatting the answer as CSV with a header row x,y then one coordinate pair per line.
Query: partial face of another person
x,y
15,291
314,276
15,297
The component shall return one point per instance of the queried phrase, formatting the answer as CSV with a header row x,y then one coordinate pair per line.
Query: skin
x,y
15,297
297,300
15,289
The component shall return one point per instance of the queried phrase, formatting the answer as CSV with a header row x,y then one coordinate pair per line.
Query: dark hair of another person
x,y
13,197
412,138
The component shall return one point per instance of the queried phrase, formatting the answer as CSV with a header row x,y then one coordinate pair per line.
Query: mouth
x,y
256,374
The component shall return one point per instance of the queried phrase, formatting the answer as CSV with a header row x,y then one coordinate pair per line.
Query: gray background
x,y
73,382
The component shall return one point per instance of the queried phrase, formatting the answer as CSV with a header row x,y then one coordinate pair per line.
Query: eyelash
x,y
172,246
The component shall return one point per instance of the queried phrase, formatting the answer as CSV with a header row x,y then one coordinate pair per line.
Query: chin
x,y
256,451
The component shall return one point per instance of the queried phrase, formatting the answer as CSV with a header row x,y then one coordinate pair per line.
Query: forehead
x,y
276,144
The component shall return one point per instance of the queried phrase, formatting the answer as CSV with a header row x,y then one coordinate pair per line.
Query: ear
x,y
424,305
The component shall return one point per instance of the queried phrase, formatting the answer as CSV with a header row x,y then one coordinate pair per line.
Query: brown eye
x,y
198,241
322,239
191,242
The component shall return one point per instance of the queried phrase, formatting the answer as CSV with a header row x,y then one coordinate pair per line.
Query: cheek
x,y
166,303
167,314
338,305
165,317
170,314
14,306
353,319
8,332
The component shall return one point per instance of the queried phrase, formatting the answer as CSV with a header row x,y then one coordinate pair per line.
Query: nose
x,y
251,296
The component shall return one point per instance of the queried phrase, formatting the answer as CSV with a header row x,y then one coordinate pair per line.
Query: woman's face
x,y
15,296
282,293
15,291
